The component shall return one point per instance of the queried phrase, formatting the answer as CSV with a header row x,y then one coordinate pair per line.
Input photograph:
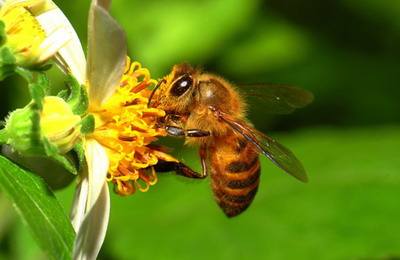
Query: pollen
x,y
126,127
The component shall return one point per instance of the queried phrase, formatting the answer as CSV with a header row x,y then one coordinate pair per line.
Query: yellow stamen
x,y
24,33
25,36
125,126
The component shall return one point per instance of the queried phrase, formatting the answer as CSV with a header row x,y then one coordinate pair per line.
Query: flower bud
x,y
59,124
54,129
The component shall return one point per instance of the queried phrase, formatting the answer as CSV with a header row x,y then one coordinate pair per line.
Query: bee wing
x,y
278,99
276,152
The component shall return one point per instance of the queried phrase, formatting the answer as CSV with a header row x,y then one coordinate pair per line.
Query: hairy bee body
x,y
235,173
209,111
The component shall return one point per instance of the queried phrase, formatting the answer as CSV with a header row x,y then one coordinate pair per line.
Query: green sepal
x,y
65,162
7,63
22,130
78,98
38,89
25,137
3,136
79,151
64,94
87,124
43,67
38,85
52,152
3,35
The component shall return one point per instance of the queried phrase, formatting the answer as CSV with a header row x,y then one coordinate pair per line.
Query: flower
x,y
25,41
117,149
125,126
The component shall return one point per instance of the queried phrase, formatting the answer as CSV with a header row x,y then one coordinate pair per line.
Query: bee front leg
x,y
177,131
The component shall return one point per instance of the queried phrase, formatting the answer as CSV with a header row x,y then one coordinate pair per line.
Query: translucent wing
x,y
276,152
106,53
278,99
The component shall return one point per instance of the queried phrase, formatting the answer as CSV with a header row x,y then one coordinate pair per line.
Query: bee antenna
x,y
154,90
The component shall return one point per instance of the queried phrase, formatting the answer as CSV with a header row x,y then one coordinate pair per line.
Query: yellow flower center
x,y
125,126
24,33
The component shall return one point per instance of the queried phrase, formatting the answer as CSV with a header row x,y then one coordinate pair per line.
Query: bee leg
x,y
180,169
183,170
197,133
176,131
203,157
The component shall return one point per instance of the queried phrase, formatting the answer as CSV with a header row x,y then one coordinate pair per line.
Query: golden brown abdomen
x,y
235,173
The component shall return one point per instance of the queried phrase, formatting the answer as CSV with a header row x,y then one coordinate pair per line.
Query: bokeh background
x,y
346,52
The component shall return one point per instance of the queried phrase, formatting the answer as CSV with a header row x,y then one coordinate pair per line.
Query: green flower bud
x,y
54,129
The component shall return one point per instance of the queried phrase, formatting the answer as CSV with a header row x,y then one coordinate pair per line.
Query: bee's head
x,y
176,91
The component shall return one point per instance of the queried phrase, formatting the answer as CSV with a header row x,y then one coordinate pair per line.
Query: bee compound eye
x,y
181,85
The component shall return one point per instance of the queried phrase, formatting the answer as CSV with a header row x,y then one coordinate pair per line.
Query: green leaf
x,y
39,208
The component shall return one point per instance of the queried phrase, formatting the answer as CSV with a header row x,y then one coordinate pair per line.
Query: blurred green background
x,y
346,52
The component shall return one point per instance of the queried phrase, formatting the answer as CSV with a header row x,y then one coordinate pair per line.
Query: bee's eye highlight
x,y
181,85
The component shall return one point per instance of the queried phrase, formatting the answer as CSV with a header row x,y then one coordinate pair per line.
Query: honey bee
x,y
208,111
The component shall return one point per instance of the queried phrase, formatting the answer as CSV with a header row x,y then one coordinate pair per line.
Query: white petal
x,y
90,211
53,44
92,232
71,55
97,163
106,54
79,204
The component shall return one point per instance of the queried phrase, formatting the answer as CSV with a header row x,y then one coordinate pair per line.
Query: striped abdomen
x,y
235,173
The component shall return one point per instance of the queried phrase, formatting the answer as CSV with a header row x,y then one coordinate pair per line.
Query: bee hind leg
x,y
180,169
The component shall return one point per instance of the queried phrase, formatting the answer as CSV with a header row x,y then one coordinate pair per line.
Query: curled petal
x,y
106,54
103,3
